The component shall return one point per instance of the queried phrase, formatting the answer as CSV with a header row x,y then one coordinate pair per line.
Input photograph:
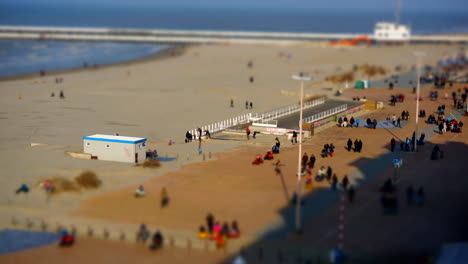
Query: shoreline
x,y
169,52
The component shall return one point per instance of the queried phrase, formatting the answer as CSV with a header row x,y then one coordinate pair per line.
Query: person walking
x,y
210,222
351,122
374,124
294,137
305,158
441,127
312,161
246,105
164,198
351,193
334,182
345,182
399,122
251,105
357,122
409,195
62,95
247,132
359,146
232,103
350,144
143,234
207,133
420,196
392,144
356,145
332,150
329,173
199,130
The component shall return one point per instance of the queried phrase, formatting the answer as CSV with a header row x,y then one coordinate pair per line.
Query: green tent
x,y
359,85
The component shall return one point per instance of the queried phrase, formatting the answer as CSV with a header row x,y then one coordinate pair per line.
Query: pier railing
x,y
325,114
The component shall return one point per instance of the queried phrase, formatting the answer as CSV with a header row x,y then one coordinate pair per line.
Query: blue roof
x,y
114,138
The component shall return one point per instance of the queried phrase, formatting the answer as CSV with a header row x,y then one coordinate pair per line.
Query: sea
x,y
29,56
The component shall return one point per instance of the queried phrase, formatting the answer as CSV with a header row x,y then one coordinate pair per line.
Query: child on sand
x,y
140,191
202,234
235,232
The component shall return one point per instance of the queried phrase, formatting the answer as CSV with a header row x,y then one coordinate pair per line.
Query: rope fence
x,y
264,252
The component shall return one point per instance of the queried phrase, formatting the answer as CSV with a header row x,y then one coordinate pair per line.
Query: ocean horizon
x,y
25,56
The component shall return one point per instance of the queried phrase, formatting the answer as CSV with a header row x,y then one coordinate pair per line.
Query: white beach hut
x,y
115,148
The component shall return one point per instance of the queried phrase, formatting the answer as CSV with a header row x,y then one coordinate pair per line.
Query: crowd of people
x,y
344,122
357,145
397,98
357,98
372,124
459,99
389,197
443,122
328,150
144,234
217,232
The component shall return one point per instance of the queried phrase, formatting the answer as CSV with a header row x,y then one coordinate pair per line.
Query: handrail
x,y
325,114
287,110
258,118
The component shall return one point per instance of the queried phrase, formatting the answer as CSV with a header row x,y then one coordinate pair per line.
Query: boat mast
x,y
397,12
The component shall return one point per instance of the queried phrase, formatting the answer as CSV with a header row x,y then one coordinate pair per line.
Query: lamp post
x,y
301,77
419,56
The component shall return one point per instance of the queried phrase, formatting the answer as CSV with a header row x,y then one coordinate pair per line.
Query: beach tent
x,y
359,85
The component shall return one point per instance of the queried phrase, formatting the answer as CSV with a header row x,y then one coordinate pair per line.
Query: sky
x,y
341,4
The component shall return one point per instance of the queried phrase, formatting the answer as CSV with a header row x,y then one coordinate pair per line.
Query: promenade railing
x,y
262,118
325,114
266,123
284,111
218,126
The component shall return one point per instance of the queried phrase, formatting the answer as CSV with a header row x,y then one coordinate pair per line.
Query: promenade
x,y
368,234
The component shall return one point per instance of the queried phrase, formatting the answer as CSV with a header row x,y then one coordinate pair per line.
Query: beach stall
x,y
362,84
115,148
359,85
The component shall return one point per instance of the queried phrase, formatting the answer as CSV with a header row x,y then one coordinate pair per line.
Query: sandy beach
x,y
160,99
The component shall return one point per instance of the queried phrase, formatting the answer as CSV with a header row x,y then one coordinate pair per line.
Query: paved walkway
x,y
279,228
